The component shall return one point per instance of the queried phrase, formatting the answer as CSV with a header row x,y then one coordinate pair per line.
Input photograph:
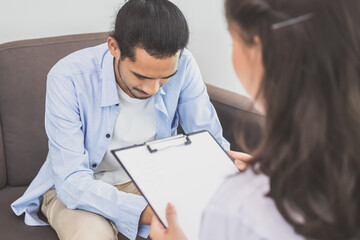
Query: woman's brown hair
x,y
311,91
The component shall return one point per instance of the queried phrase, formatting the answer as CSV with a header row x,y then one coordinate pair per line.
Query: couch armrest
x,y
237,117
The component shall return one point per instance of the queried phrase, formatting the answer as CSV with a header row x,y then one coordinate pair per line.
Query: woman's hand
x,y
240,159
174,232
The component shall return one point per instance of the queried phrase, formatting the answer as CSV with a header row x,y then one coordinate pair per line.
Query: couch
x,y
23,142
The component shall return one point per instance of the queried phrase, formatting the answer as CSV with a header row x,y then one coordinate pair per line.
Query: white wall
x,y
25,19
209,42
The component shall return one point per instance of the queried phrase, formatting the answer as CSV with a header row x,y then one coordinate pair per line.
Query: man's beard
x,y
131,91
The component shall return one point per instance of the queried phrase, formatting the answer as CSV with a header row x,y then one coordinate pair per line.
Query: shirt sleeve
x,y
195,109
74,182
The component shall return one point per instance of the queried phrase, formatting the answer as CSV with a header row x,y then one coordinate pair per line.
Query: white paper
x,y
185,175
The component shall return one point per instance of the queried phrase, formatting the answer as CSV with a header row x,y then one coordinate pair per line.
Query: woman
x,y
300,61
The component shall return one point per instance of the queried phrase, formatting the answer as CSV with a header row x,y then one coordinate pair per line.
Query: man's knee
x,y
79,224
91,233
87,225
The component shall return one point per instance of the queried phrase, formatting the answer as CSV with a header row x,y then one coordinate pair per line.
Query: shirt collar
x,y
109,95
161,91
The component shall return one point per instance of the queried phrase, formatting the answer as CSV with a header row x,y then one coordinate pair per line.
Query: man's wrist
x,y
146,216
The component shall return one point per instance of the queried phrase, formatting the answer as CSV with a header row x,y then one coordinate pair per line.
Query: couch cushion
x,y
23,69
13,227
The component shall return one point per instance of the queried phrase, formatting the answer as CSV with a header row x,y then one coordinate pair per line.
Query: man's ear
x,y
113,47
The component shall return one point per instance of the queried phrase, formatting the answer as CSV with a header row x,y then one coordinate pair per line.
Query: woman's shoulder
x,y
247,183
241,210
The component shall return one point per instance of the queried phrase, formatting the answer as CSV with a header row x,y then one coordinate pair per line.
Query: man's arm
x,y
197,113
74,182
195,109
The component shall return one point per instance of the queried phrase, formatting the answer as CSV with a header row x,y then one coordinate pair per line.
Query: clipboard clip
x,y
162,144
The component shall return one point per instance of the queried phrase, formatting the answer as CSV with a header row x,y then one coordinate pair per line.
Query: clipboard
x,y
185,170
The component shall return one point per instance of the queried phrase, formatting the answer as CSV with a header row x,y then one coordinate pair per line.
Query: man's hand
x,y
147,215
174,232
240,159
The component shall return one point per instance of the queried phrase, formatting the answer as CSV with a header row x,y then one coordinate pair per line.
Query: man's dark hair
x,y
157,26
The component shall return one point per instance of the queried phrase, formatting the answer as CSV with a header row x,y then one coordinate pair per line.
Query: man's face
x,y
144,77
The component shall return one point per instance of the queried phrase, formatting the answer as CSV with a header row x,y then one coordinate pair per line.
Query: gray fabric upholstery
x,y
23,142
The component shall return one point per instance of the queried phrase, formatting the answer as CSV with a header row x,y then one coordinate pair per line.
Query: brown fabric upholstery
x,y
23,142
13,227
2,161
238,118
23,69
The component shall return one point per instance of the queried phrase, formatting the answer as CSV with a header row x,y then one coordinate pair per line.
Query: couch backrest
x,y
23,69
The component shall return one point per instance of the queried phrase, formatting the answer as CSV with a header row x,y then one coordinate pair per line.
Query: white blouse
x,y
240,210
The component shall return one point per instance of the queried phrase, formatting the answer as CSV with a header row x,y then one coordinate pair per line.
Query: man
x,y
134,89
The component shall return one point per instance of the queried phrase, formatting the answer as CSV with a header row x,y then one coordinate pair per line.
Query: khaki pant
x,y
79,224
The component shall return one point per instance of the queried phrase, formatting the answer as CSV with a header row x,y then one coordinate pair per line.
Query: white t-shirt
x,y
135,124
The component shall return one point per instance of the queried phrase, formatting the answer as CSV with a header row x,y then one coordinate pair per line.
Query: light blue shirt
x,y
82,105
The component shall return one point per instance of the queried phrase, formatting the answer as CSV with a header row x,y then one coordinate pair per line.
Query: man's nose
x,y
152,86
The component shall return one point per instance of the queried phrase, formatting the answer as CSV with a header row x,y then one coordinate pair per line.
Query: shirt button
x,y
107,135
94,165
